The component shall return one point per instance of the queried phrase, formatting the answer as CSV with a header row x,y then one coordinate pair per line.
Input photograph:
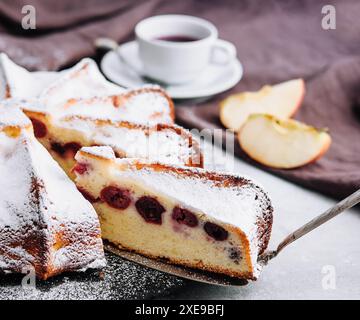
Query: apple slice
x,y
280,100
284,144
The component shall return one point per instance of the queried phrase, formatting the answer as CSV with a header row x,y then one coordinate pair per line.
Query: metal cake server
x,y
330,213
176,270
222,280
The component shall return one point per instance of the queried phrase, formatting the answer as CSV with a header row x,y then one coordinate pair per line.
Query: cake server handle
x,y
332,212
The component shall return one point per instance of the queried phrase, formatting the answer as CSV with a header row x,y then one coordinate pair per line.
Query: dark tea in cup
x,y
177,38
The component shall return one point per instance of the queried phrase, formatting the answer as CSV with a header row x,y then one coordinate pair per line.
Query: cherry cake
x,y
46,226
203,219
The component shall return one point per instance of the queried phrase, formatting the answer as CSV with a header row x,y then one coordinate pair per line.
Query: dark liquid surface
x,y
177,38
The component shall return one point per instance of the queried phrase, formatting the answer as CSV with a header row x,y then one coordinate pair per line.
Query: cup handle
x,y
227,49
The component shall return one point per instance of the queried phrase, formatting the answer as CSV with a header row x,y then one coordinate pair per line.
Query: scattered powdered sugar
x,y
122,280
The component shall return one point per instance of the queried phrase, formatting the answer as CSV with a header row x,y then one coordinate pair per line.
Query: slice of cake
x,y
193,217
45,223
63,137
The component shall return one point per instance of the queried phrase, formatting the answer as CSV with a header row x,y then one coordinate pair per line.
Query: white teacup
x,y
174,49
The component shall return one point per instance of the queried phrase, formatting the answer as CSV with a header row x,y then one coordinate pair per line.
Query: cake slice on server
x,y
46,226
64,136
211,221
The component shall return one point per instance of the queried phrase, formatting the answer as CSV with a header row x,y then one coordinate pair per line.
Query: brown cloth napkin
x,y
277,40
285,40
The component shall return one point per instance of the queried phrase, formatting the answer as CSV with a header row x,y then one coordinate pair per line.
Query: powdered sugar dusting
x,y
150,106
238,206
83,90
169,144
11,115
122,280
143,105
17,82
84,80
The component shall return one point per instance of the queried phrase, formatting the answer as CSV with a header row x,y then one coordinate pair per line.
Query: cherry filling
x,y
68,149
115,197
81,168
215,231
150,209
87,195
184,216
72,147
58,148
40,130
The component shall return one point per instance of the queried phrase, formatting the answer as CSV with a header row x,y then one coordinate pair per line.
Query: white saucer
x,y
215,79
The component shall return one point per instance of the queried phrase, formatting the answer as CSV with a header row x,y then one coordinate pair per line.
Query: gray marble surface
x,y
324,264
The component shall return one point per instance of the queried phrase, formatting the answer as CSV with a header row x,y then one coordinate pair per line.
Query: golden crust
x,y
36,114
198,265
